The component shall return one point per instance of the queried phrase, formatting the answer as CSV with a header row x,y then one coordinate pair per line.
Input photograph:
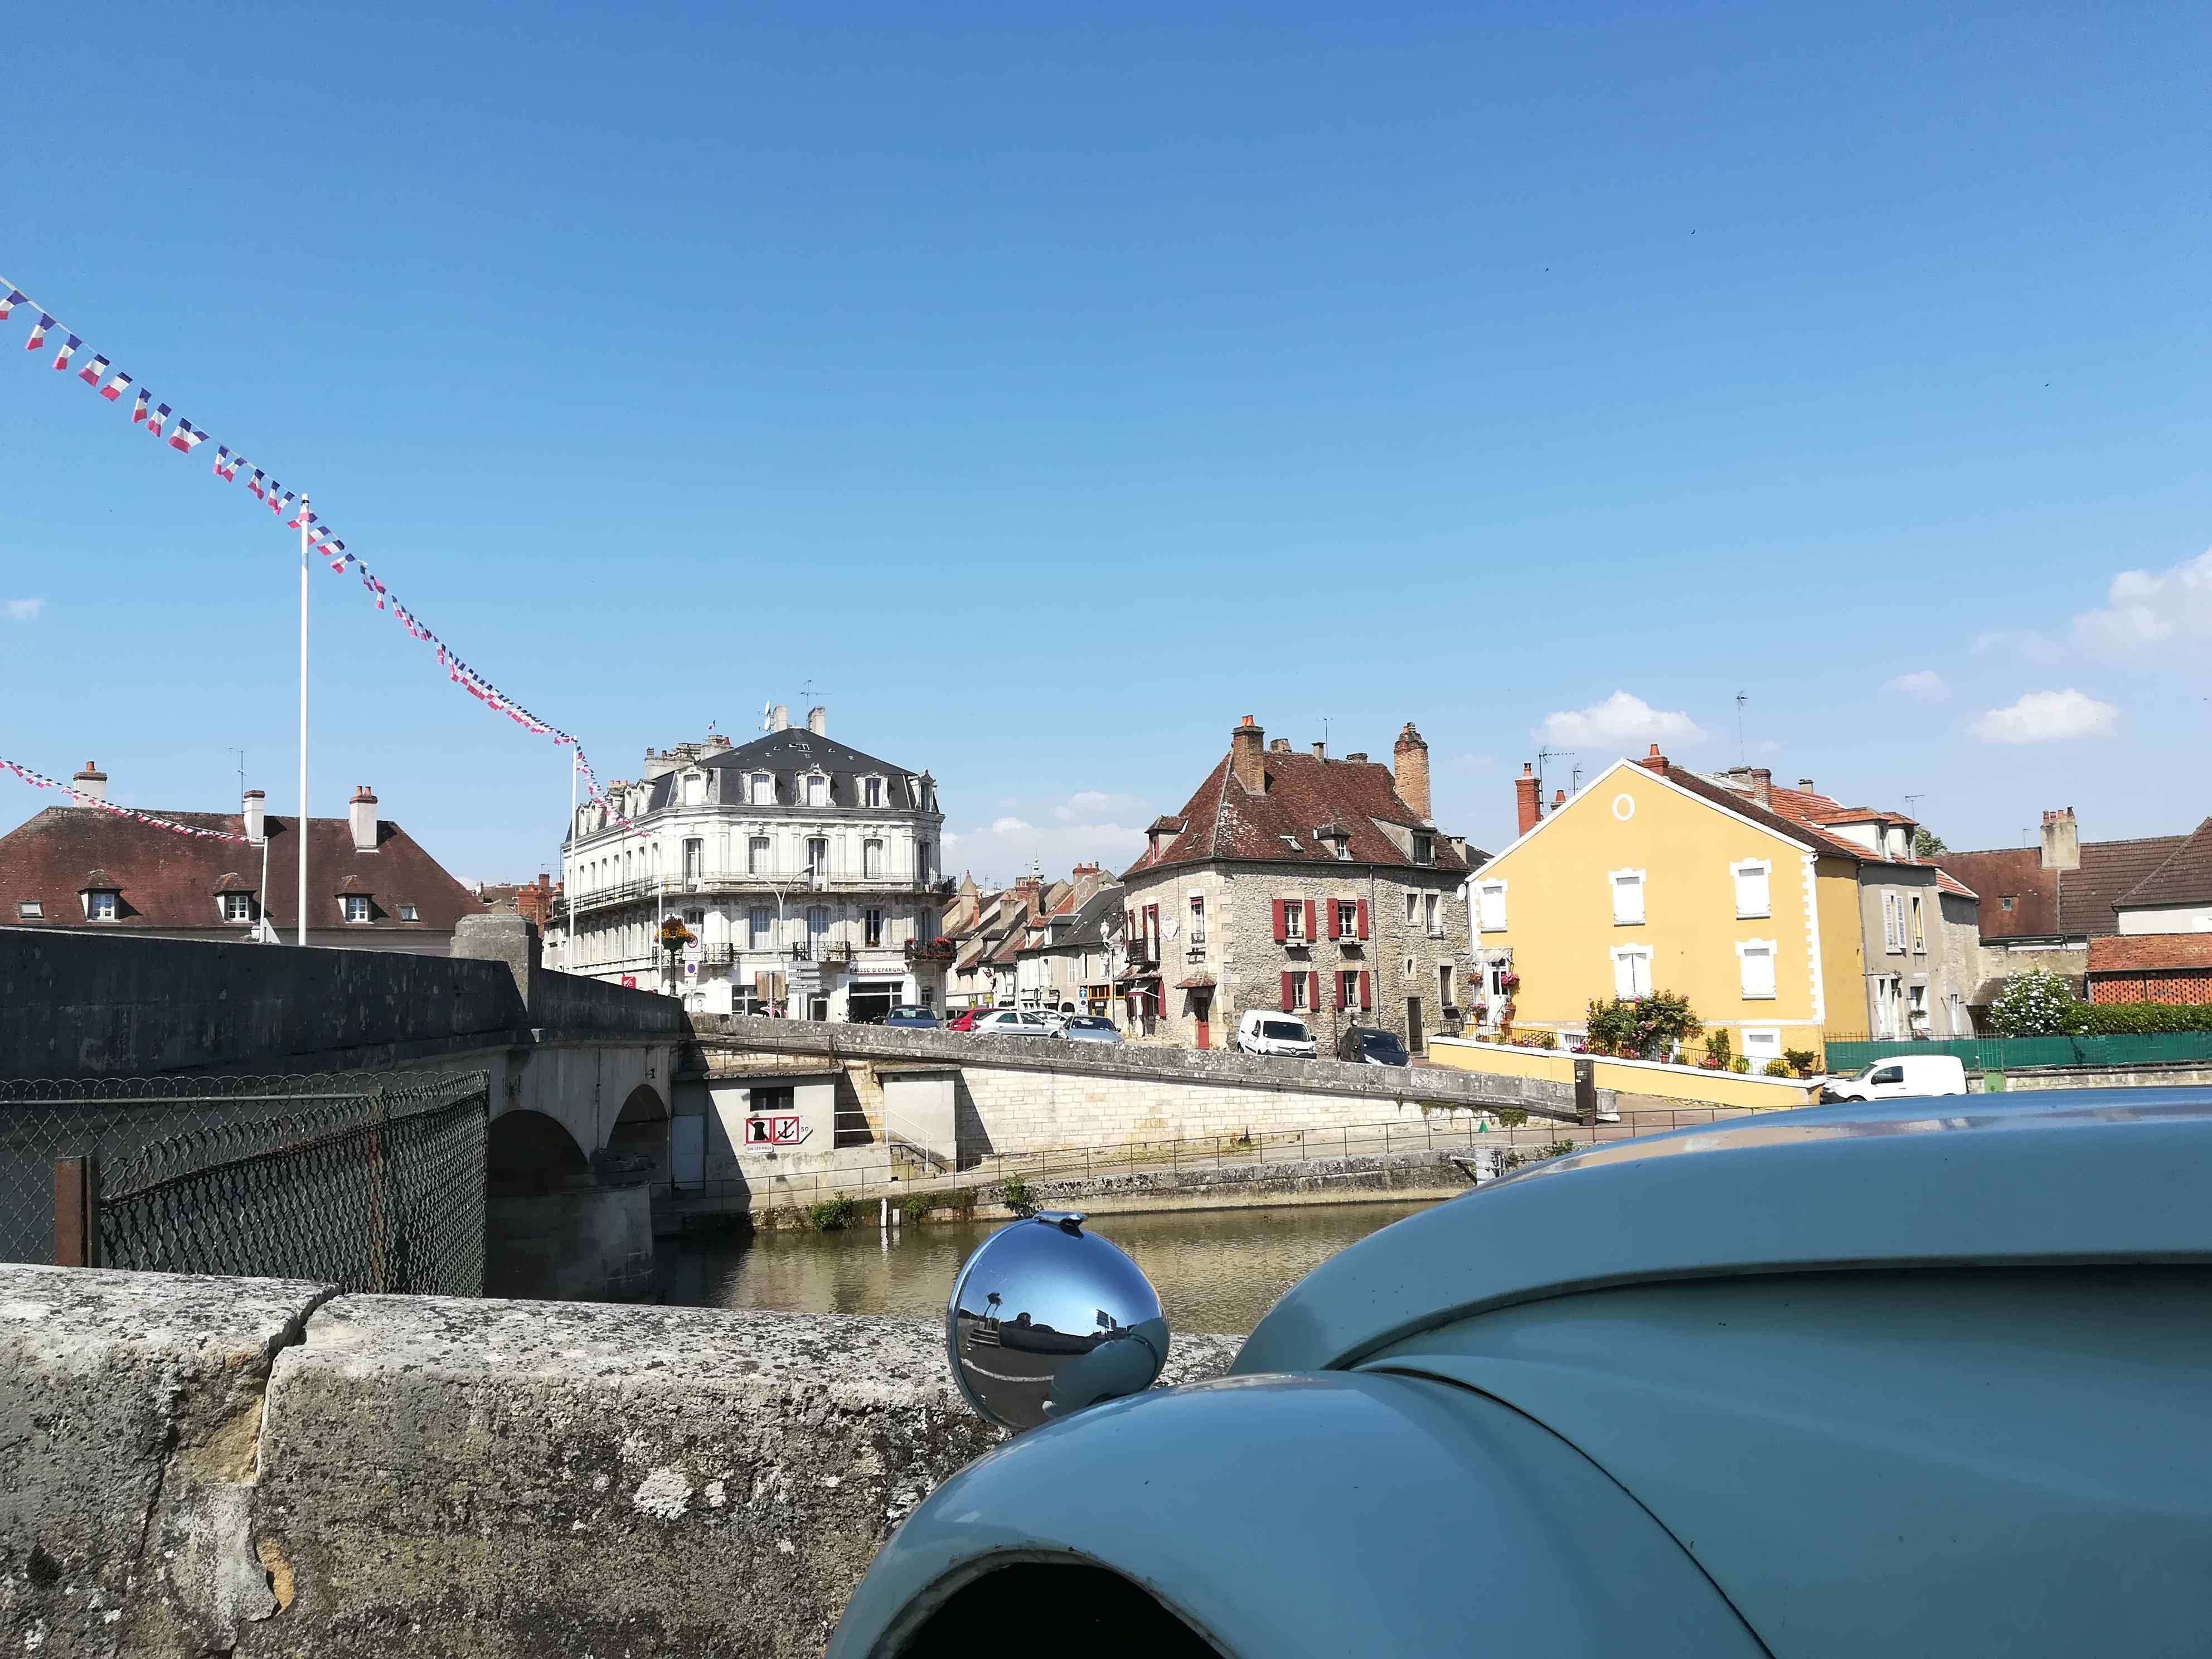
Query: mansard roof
x,y
792,754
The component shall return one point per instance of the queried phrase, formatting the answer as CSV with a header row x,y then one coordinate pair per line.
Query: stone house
x,y
1302,883
1065,964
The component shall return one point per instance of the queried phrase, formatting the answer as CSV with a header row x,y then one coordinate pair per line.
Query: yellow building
x,y
1723,889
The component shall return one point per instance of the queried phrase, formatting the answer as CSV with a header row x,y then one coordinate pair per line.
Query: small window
x,y
1628,897
1491,900
1413,908
872,928
1347,918
1444,986
818,789
2005,903
1757,959
1294,923
100,907
1424,849
695,858
238,907
1342,845
409,913
1347,987
1197,919
1298,994
871,859
1761,1046
762,924
1753,894
694,789
764,789
1431,923
355,907
30,911
1919,927
757,856
871,792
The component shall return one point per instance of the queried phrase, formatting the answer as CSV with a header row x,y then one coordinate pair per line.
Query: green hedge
x,y
2136,1018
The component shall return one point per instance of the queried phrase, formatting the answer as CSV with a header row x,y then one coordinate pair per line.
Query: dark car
x,y
1363,1045
912,1019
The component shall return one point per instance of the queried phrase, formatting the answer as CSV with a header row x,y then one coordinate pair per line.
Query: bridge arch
x,y
641,1129
528,1154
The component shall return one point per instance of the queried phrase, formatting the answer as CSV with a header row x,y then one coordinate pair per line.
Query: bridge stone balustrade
x,y
256,1467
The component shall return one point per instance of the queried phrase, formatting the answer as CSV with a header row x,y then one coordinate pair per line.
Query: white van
x,y
1899,1075
1262,1033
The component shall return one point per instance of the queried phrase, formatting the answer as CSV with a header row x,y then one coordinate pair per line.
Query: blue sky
x,y
1050,390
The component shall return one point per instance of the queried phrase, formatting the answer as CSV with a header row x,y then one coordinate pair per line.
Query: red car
x,y
964,1020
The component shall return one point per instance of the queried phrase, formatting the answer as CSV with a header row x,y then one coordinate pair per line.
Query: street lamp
x,y
780,888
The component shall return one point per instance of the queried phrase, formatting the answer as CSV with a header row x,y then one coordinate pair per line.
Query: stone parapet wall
x,y
252,1466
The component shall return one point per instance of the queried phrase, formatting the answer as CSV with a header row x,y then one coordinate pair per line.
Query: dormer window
x,y
818,789
1424,849
695,788
237,906
762,790
353,907
100,903
30,911
409,913
871,792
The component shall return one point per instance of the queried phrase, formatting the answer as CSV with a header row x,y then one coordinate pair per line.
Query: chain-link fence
x,y
368,1180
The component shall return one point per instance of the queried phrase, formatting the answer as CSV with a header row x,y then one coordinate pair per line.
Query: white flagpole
x,y
567,882
302,935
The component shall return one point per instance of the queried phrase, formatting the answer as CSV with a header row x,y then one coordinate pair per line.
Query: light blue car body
x,y
1922,1377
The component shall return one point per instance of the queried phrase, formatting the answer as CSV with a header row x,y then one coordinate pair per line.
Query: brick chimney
x,y
1528,801
1654,762
1559,798
361,813
1278,745
1762,785
1409,766
2062,840
1247,745
91,781
817,720
255,825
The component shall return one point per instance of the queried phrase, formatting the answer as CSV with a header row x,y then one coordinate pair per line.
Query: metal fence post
x,y
77,1211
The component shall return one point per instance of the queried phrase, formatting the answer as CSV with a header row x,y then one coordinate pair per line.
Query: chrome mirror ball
x,y
1046,1319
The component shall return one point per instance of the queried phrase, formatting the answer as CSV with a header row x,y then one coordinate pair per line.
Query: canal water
x,y
1216,1270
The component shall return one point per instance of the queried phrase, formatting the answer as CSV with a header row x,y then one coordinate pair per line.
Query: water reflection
x,y
1216,1270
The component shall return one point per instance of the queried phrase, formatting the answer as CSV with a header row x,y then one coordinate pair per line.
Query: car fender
x,y
1311,1515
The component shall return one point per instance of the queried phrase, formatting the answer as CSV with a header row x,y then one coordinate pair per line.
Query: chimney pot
x,y
1806,784
1360,755
1762,785
91,781
1409,771
1654,762
1559,798
1321,751
1247,762
2061,840
780,721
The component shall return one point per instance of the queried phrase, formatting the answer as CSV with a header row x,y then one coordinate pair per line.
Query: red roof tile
x,y
1302,793
2135,953
2185,878
2053,903
169,881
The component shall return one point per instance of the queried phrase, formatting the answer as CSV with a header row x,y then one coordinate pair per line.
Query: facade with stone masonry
x,y
1069,961
803,872
1294,882
370,885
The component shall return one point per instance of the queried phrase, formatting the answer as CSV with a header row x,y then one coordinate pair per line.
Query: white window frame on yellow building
x,y
1746,950
1632,953
1488,921
1741,869
1623,884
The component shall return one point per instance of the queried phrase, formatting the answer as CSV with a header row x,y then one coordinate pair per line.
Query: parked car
x,y
1090,1027
1846,1381
912,1019
1894,1076
1262,1033
1055,1019
965,1019
1009,1021
1368,1045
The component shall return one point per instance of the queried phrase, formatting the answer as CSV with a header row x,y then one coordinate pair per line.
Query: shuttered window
x,y
1752,896
1631,971
1627,897
1757,956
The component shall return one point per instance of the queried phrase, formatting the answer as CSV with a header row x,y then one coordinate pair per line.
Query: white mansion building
x,y
805,870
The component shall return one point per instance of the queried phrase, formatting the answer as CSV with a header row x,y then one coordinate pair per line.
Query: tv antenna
x,y
1743,750
1542,755
240,753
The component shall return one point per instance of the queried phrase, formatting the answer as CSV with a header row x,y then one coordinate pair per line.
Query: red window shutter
x,y
1282,927
1366,990
1334,930
1343,991
1286,992
1312,932
1313,990
1363,918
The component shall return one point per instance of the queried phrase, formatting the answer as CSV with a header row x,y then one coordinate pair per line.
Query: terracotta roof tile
x,y
2135,953
1224,820
168,881
2185,877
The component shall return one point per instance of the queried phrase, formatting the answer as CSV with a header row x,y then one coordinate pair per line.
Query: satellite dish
x,y
768,714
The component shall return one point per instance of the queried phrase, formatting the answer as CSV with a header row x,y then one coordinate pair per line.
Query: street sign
x,y
691,967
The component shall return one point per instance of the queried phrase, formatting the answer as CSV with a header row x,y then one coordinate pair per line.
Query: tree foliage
x,y
2037,1003
1926,843
1642,1028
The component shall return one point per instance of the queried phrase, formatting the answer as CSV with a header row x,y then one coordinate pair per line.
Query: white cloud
x,y
1924,683
2047,717
1088,805
1468,762
2143,608
1618,722
1092,826
2021,644
22,610
1009,827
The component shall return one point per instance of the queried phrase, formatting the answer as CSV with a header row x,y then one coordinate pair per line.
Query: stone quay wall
x,y
1030,1094
259,1467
